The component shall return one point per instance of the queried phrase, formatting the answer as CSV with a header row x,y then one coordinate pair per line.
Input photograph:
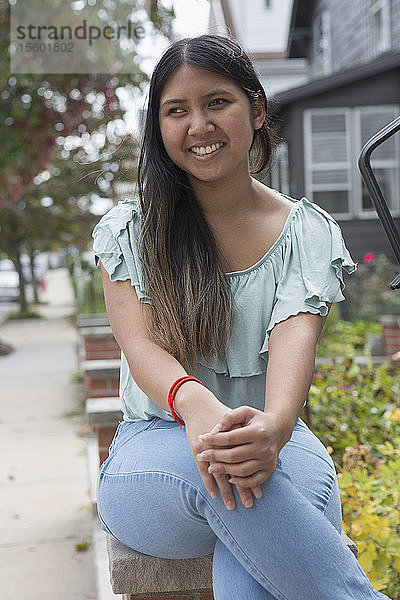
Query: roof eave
x,y
386,62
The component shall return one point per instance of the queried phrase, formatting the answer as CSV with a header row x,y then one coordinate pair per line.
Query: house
x,y
261,27
353,54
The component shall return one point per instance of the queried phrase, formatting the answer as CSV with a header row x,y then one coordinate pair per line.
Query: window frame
x,y
353,148
322,58
308,164
374,7
279,173
358,112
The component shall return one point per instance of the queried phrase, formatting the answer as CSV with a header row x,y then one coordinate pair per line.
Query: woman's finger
x,y
243,469
245,495
236,417
226,491
208,479
239,454
257,491
235,437
253,481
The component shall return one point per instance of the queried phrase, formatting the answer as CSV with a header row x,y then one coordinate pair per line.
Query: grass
x,y
27,314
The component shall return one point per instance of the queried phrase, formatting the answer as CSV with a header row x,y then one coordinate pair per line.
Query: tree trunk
x,y
23,304
33,275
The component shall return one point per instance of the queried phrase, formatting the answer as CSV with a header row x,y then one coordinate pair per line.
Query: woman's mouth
x,y
203,152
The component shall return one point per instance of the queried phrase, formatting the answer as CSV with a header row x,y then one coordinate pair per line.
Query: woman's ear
x,y
259,111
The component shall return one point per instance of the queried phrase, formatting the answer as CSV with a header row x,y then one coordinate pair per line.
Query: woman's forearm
x,y
291,367
155,370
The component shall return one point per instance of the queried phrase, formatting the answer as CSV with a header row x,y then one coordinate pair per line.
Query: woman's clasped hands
x,y
242,449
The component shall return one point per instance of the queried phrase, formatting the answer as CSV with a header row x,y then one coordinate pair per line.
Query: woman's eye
x,y
176,110
217,100
172,110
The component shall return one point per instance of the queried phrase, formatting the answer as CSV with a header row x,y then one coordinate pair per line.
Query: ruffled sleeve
x,y
312,266
115,243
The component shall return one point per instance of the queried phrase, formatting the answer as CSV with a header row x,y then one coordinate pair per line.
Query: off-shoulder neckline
x,y
296,204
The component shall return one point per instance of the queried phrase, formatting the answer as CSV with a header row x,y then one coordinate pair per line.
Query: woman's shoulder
x,y
119,216
308,213
128,206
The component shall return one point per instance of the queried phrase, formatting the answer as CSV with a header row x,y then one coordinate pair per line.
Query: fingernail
x,y
201,457
230,505
248,503
213,494
258,494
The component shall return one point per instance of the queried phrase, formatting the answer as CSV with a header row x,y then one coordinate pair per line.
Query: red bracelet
x,y
172,392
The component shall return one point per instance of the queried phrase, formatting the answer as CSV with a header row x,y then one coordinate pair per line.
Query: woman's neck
x,y
233,201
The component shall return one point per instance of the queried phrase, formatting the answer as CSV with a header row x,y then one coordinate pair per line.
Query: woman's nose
x,y
200,124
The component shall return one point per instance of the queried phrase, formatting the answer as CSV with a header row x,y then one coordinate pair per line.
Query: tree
x,y
63,144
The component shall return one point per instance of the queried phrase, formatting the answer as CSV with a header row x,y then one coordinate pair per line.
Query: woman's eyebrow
x,y
182,100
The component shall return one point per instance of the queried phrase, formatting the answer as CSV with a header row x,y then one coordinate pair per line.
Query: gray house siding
x,y
351,31
357,80
362,235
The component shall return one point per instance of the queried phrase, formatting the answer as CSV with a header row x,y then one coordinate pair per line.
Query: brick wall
x,y
104,439
99,387
391,338
97,348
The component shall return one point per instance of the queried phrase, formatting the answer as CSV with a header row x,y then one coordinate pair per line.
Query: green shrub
x,y
352,404
354,410
367,290
370,494
345,338
93,296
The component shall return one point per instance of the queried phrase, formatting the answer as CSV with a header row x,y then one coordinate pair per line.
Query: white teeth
x,y
206,150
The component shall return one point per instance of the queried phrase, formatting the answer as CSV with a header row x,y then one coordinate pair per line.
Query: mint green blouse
x,y
301,272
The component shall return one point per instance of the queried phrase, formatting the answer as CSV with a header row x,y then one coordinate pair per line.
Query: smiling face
x,y
207,124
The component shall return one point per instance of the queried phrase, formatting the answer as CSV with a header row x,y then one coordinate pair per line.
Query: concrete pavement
x,y
44,495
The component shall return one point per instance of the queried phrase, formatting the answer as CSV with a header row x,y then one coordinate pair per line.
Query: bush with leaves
x,y
345,338
354,410
370,494
367,291
352,404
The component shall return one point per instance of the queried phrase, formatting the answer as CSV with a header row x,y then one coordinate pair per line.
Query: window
x,y
379,17
322,44
327,158
385,159
333,139
279,178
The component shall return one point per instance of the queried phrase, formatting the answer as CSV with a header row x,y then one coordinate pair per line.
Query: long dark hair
x,y
192,304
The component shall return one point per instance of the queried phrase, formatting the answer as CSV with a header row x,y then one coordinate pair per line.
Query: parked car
x,y
9,281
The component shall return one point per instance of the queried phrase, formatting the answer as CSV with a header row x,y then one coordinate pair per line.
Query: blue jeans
x,y
287,546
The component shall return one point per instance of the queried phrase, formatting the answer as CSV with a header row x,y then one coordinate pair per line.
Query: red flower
x,y
368,257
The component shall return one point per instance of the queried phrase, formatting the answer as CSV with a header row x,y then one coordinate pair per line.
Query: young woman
x,y
213,276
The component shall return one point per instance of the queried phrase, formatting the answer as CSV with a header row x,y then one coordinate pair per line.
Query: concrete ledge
x,y
101,368
103,411
96,331
134,573
93,463
92,320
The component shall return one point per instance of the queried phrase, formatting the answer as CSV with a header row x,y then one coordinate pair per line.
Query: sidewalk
x,y
44,498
